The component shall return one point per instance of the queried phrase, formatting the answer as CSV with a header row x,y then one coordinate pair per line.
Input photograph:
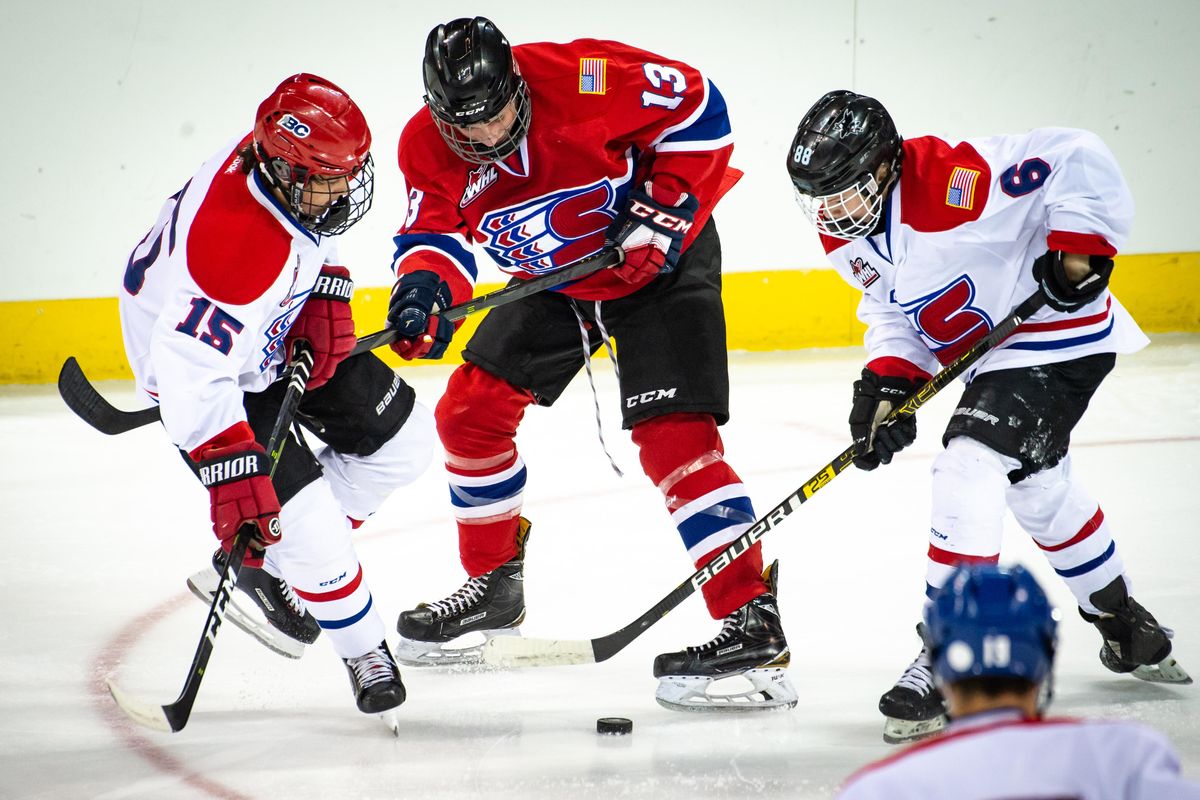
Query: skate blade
x,y
770,690
1166,671
392,720
204,584
900,731
450,655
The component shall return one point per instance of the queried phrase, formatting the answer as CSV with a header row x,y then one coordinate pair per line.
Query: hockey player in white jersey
x,y
240,265
991,635
944,239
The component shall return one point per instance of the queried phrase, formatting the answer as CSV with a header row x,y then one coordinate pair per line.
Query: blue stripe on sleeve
x,y
440,241
712,124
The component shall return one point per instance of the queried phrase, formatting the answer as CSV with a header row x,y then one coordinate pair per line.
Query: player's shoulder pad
x,y
235,247
422,152
942,186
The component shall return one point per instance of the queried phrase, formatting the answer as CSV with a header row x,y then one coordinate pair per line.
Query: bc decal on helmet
x,y
314,145
991,621
835,163
471,80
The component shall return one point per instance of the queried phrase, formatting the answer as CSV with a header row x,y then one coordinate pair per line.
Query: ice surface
x,y
99,535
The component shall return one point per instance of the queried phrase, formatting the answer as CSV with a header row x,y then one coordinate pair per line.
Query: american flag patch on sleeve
x,y
960,193
592,73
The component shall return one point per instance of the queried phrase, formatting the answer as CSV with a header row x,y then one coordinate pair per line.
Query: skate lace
x,y
291,598
470,593
728,629
918,677
372,668
587,363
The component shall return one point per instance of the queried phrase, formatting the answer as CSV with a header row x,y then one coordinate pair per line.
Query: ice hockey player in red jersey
x,y
240,265
992,635
542,153
944,239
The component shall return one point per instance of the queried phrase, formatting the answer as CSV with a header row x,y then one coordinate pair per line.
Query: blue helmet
x,y
991,621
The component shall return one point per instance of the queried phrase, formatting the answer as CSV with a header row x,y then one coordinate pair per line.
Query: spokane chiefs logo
x,y
549,232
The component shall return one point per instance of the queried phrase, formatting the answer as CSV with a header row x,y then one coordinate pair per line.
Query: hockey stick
x,y
172,717
90,406
608,257
520,651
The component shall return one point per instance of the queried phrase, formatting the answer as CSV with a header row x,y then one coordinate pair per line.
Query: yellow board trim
x,y
769,310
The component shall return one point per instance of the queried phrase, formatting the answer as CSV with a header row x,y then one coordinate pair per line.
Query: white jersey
x,y
209,294
998,755
962,229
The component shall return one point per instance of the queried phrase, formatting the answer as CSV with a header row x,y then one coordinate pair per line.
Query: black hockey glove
x,y
874,397
1060,293
411,311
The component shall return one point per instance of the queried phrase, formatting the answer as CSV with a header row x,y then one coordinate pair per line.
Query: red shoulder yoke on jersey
x,y
235,247
942,187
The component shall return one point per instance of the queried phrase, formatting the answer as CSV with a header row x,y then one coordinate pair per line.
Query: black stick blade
x,y
82,398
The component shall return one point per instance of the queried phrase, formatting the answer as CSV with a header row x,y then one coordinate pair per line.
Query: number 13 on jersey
x,y
666,81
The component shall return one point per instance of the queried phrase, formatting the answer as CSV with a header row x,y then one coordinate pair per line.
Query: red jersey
x,y
605,116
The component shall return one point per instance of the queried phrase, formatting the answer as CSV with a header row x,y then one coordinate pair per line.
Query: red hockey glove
x,y
326,323
415,298
238,479
651,231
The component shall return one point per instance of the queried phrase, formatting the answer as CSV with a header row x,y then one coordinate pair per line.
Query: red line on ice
x,y
105,665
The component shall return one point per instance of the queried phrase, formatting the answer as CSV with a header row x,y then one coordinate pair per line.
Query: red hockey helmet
x,y
310,128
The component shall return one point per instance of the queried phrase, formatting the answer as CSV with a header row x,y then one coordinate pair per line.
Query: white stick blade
x,y
151,716
520,651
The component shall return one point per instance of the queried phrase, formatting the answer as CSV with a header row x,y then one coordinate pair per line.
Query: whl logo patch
x,y
863,272
477,181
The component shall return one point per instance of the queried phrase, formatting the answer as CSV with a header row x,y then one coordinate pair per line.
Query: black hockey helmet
x,y
835,159
470,79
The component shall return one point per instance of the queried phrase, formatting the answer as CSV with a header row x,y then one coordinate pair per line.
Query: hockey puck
x,y
614,726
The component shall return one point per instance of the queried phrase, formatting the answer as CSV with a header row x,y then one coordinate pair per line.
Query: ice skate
x,y
914,707
1134,642
452,632
377,685
282,623
751,645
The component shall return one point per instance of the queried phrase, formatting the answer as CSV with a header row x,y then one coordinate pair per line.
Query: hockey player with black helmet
x,y
992,636
943,239
241,266
543,154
